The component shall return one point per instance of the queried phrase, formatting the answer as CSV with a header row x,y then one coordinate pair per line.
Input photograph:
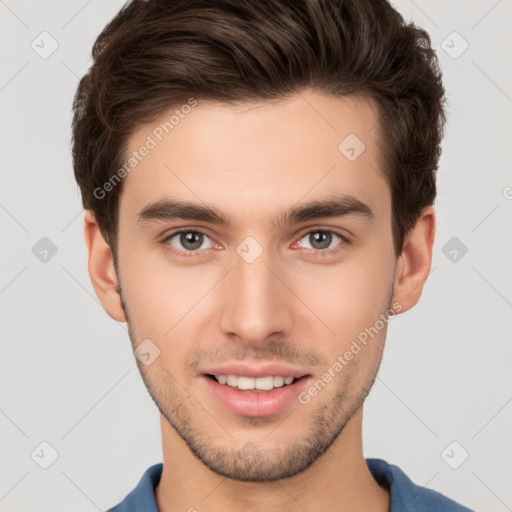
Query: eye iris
x,y
191,240
322,237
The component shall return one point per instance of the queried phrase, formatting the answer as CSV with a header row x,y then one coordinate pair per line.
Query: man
x,y
258,179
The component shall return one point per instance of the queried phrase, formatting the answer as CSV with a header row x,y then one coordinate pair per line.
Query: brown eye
x,y
188,241
321,239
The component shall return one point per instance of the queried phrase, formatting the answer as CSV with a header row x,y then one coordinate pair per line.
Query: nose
x,y
256,304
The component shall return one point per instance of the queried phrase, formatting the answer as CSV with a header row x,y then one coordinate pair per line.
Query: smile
x,y
250,383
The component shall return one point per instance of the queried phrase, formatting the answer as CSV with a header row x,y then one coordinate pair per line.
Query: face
x,y
251,244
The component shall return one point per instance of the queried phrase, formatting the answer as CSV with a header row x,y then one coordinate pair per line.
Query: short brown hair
x,y
155,54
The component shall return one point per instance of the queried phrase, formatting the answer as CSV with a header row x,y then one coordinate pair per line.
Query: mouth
x,y
261,396
255,384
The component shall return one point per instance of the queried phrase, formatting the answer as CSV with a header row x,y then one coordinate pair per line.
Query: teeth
x,y
232,380
278,382
245,382
260,383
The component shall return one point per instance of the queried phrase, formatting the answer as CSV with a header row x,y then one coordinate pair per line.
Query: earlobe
x,y
101,269
413,265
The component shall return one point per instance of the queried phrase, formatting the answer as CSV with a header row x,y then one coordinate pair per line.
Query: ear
x,y
413,266
101,269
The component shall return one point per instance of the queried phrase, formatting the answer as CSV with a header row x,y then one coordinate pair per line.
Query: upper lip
x,y
255,370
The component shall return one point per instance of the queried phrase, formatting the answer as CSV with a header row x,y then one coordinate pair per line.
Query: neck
x,y
338,480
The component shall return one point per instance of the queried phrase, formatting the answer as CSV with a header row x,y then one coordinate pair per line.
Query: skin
x,y
254,161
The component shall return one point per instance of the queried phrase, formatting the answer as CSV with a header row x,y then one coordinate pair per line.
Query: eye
x,y
321,240
188,241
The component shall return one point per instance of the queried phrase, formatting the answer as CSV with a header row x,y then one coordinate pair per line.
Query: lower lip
x,y
255,403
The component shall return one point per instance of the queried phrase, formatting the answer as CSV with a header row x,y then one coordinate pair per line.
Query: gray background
x,y
68,376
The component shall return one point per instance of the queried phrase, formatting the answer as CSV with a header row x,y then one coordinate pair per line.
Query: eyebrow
x,y
340,205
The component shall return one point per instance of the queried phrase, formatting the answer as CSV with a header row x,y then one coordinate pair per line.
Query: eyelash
x,y
315,252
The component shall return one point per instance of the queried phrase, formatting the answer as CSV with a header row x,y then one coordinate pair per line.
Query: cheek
x,y
350,297
161,297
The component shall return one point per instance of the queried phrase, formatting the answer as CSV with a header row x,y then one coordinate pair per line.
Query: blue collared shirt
x,y
406,496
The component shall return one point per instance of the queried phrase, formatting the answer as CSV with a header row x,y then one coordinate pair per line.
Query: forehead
x,y
251,160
